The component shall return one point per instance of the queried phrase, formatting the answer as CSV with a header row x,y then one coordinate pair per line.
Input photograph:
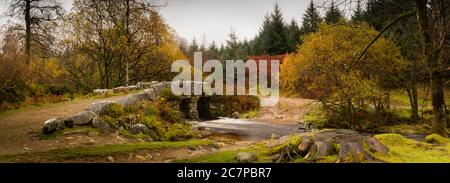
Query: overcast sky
x,y
213,19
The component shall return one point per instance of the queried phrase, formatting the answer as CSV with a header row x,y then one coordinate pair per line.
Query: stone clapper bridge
x,y
195,109
346,145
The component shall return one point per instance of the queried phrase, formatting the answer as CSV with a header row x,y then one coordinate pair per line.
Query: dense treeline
x,y
105,44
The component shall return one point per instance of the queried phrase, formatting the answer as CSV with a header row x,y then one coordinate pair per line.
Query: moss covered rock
x,y
436,139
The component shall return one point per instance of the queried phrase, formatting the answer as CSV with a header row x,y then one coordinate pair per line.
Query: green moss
x,y
410,151
178,132
99,151
327,159
436,139
262,152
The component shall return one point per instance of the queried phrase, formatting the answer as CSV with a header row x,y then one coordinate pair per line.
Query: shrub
x,y
113,122
169,114
324,68
152,122
166,93
114,110
151,110
316,117
227,105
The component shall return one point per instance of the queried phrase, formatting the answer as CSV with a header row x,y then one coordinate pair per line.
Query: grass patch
x,y
400,97
263,153
403,150
127,134
53,136
99,151
7,113
219,157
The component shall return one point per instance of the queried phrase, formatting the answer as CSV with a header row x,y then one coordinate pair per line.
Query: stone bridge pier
x,y
193,107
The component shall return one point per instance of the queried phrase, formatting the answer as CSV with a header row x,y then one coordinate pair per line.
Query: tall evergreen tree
x,y
358,13
212,52
263,36
273,35
234,49
192,49
293,36
311,19
333,14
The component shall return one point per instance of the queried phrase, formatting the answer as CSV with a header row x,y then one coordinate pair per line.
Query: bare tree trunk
x,y
127,34
414,105
27,14
431,53
412,93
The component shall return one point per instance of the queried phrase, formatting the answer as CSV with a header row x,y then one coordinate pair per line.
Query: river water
x,y
251,130
258,130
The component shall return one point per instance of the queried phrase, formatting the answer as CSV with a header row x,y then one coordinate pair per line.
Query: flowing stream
x,y
252,130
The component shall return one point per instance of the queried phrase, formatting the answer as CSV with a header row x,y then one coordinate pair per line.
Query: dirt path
x,y
18,128
287,111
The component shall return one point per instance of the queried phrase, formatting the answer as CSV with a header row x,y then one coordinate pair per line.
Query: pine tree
x,y
263,37
311,20
358,14
192,49
212,52
333,14
234,49
194,46
273,35
293,36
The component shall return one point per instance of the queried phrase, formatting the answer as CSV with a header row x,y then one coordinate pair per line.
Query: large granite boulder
x,y
246,157
100,124
133,99
139,128
102,91
98,107
82,118
53,125
144,85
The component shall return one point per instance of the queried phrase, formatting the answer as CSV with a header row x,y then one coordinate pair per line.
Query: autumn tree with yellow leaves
x,y
324,68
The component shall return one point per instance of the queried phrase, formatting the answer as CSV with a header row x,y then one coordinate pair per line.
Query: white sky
x,y
213,19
